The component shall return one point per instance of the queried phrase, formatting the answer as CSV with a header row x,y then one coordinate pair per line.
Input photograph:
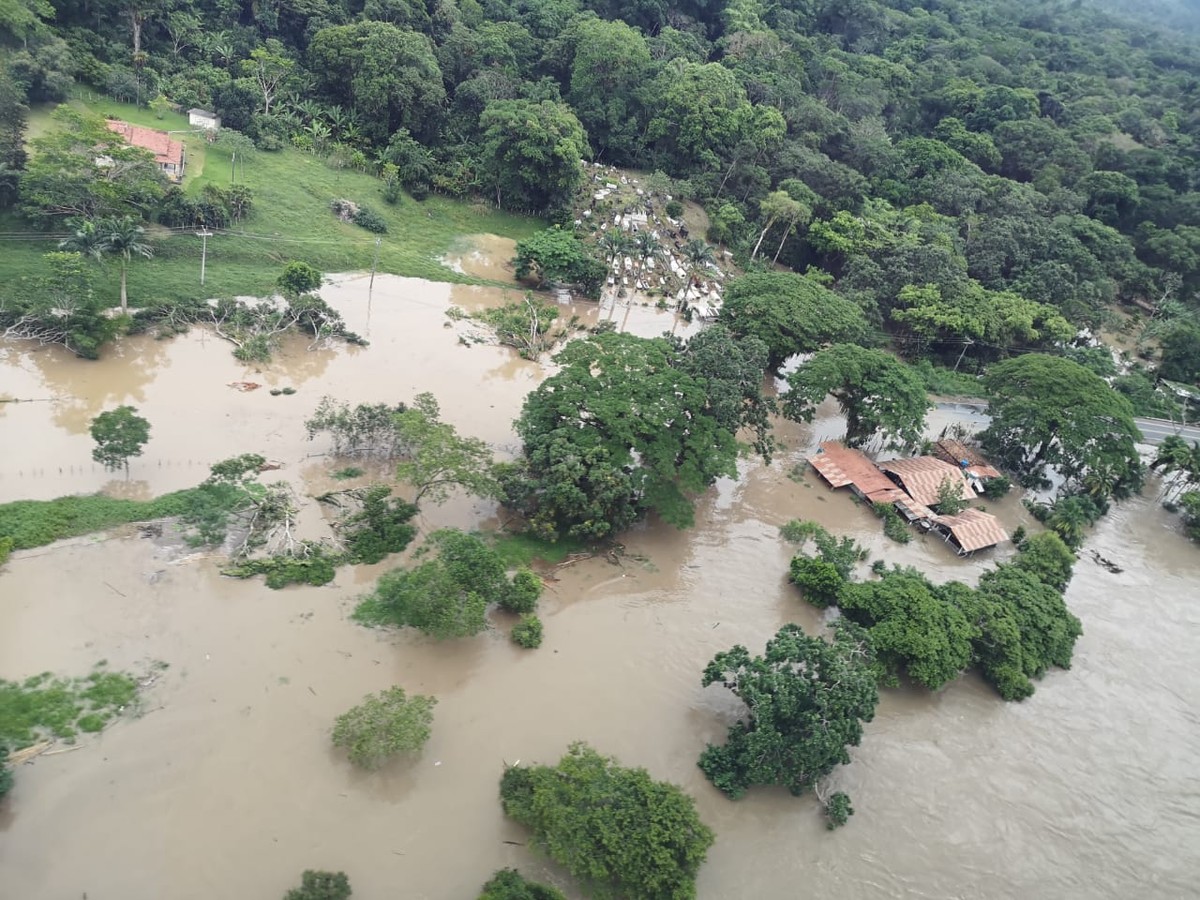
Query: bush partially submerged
x,y
384,725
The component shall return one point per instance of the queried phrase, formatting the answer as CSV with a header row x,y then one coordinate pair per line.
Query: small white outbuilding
x,y
202,118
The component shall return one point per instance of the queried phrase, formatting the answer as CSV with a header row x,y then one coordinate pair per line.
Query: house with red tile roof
x,y
168,154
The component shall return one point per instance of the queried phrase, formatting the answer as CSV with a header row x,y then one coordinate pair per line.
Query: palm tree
x,y
1176,458
611,243
698,254
86,239
123,237
647,247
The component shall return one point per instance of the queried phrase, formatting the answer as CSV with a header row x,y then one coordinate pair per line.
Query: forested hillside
x,y
970,172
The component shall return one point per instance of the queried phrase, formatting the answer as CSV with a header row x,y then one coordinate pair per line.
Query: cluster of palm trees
x,y
122,237
643,246
1179,465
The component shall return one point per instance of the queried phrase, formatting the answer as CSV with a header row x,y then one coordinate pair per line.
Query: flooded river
x,y
227,785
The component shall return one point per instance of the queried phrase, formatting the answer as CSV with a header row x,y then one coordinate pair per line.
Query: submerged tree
x,y
384,725
509,884
446,594
317,885
615,828
435,458
806,699
120,435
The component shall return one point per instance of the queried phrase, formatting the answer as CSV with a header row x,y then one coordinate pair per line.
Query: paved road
x,y
972,413
1155,430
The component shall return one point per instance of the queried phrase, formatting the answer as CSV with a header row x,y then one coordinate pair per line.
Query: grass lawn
x,y
291,220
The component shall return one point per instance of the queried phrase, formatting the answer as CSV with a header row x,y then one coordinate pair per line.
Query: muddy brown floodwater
x,y
227,786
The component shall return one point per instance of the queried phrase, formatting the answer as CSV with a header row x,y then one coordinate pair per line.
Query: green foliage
x,y
530,154
674,209
312,565
819,580
6,775
838,810
731,370
527,632
46,706
445,596
384,725
893,526
557,256
615,828
1025,627
877,393
1047,558
806,699
1181,355
523,593
995,488
6,546
368,430
509,884
843,554
347,473
318,885
524,549
62,180
381,527
120,435
950,500
616,395
35,523
299,278
789,313
527,325
914,627
947,382
436,459
365,217
1048,411
58,305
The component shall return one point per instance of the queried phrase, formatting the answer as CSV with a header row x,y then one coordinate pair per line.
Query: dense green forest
x,y
971,174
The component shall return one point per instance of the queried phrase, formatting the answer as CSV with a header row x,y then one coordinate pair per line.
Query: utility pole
x,y
374,265
233,167
967,343
204,234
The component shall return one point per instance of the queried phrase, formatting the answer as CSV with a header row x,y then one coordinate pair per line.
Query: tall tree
x,y
531,154
120,434
389,76
1048,411
806,701
269,67
789,313
876,391
634,430
123,237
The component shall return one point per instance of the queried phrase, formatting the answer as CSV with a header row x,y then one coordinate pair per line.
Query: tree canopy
x,y
446,594
789,313
120,434
877,392
806,699
622,428
615,828
1049,411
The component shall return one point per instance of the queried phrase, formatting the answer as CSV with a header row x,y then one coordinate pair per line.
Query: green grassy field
x,y
291,220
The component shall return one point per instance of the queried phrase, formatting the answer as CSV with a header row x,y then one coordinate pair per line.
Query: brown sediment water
x,y
226,785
